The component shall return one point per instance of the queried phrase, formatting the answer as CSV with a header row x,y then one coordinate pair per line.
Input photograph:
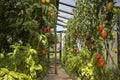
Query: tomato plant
x,y
103,33
100,27
22,37
93,22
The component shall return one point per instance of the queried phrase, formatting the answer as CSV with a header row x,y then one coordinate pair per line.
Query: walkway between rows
x,y
61,74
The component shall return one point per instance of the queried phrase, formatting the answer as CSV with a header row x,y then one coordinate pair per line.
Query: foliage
x,y
24,61
92,31
80,64
22,38
84,66
5,74
25,20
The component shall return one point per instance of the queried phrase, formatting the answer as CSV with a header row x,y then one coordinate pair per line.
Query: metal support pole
x,y
60,46
118,41
55,50
57,1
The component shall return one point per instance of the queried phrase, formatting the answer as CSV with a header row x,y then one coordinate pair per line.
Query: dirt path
x,y
61,74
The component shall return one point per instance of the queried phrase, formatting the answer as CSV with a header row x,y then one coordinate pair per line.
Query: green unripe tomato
x,y
114,11
47,1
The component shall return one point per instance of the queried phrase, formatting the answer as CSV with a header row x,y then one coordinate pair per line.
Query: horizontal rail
x,y
67,4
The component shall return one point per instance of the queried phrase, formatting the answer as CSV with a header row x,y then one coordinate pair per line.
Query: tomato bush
x,y
94,24
22,38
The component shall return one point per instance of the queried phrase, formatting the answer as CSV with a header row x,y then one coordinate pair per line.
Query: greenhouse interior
x,y
59,39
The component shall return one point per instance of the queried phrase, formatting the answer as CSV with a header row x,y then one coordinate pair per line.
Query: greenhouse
x,y
60,40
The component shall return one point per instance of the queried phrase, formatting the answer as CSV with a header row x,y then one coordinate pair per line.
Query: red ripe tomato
x,y
48,30
100,27
44,30
103,33
43,51
97,57
101,63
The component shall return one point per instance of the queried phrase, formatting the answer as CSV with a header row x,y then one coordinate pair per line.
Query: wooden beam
x,y
67,4
60,24
55,39
118,41
63,17
62,21
65,12
61,31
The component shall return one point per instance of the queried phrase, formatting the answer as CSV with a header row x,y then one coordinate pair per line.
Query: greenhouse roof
x,y
65,11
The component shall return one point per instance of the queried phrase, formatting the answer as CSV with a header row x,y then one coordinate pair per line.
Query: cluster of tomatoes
x,y
47,2
103,34
49,14
99,60
75,37
46,30
102,31
88,42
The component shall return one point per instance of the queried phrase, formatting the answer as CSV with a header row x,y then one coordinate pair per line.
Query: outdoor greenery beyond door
x,y
90,50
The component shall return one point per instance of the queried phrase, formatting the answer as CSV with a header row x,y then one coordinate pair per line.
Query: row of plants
x,y
25,29
83,66
90,50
